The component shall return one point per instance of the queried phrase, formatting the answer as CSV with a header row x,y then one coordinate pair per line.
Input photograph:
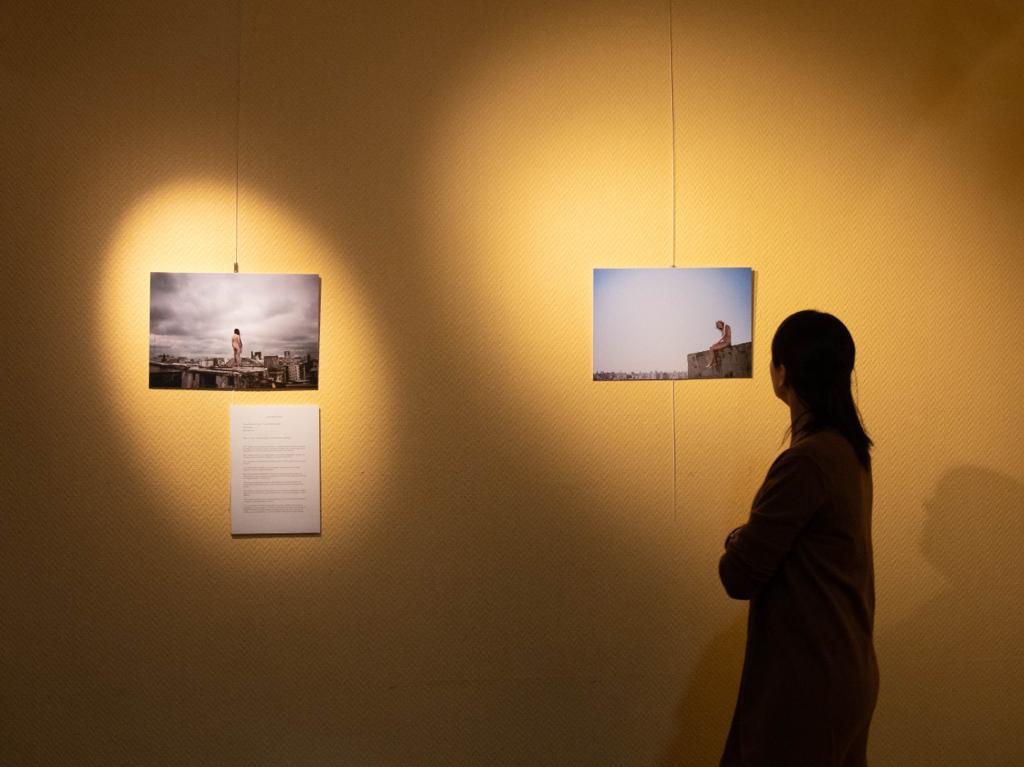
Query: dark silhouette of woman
x,y
804,560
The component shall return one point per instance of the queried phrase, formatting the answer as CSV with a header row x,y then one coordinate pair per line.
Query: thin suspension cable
x,y
238,124
238,147
674,464
672,97
672,88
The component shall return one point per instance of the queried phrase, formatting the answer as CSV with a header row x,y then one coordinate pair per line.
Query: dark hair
x,y
818,352
237,333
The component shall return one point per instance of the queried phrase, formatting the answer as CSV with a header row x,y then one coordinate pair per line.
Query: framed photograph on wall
x,y
234,331
672,324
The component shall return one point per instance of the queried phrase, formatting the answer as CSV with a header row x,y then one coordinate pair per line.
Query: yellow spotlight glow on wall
x,y
179,440
555,158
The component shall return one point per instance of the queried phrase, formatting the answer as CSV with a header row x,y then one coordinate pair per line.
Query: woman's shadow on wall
x,y
952,674
705,711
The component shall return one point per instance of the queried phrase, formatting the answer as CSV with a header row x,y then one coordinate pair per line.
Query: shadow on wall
x,y
705,711
950,673
946,673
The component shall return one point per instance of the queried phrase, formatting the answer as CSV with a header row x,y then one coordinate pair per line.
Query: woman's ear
x,y
778,379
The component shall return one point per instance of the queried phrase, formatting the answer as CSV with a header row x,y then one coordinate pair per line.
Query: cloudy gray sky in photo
x,y
194,314
650,319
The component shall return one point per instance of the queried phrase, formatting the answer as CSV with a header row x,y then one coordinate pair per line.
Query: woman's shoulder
x,y
827,449
819,441
800,457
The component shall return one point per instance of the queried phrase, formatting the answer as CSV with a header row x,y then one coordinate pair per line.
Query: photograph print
x,y
234,331
672,324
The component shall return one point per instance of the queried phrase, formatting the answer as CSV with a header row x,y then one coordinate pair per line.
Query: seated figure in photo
x,y
722,343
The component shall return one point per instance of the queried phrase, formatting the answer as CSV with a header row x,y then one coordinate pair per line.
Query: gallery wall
x,y
517,564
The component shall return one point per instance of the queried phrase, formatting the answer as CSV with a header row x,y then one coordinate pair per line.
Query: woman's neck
x,y
798,416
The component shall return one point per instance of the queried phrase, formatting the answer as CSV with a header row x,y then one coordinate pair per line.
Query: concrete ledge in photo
x,y
733,362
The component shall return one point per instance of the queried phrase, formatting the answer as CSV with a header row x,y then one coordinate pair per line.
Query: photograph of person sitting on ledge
x,y
721,343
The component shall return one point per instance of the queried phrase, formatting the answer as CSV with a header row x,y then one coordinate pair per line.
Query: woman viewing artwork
x,y
236,345
724,342
804,561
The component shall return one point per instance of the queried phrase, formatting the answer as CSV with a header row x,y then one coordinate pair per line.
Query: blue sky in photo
x,y
650,319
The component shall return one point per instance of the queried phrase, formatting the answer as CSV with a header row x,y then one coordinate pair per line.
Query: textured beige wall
x,y
503,577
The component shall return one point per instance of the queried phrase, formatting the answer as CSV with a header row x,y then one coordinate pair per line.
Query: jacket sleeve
x,y
792,492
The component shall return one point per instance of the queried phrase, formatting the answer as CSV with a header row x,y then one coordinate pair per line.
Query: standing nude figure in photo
x,y
724,342
236,344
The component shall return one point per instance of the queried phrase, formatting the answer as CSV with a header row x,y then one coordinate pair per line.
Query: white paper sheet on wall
x,y
275,469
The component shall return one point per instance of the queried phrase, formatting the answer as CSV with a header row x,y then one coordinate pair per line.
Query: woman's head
x,y
236,332
719,324
812,357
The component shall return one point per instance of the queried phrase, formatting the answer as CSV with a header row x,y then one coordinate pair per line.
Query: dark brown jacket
x,y
804,561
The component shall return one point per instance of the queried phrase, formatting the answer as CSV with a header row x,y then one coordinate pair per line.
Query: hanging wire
x,y
672,88
238,123
238,149
672,96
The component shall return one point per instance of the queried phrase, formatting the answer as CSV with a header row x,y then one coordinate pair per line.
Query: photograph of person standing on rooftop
x,y
195,331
